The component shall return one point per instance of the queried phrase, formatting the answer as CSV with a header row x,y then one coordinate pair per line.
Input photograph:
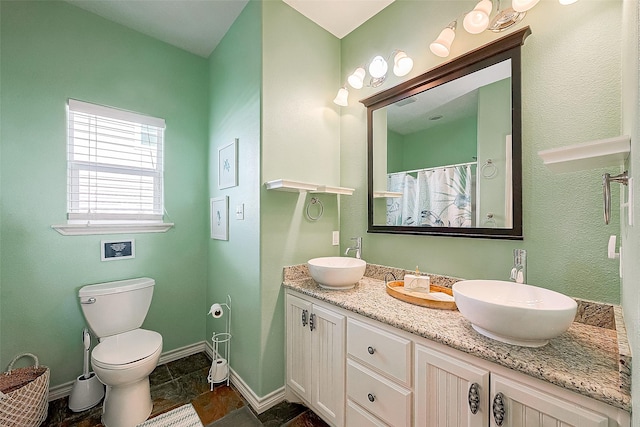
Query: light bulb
x,y
356,80
442,46
477,20
402,64
341,97
523,5
378,67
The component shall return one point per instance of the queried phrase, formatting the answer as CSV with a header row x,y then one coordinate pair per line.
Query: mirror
x,y
444,148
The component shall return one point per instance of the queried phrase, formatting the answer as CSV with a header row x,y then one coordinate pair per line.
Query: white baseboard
x,y
259,404
62,390
181,352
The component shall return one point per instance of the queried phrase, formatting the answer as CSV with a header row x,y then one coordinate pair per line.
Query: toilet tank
x,y
116,307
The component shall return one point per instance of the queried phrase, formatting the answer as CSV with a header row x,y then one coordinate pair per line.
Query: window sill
x,y
87,229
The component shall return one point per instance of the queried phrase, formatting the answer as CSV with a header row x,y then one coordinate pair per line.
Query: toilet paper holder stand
x,y
221,343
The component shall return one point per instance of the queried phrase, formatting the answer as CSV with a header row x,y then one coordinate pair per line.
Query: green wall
x,y
300,141
494,118
260,91
52,51
234,265
571,94
445,144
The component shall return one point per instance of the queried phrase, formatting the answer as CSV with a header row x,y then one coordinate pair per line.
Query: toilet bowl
x,y
128,396
126,354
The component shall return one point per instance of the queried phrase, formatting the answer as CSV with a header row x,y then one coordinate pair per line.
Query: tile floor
x,y
185,381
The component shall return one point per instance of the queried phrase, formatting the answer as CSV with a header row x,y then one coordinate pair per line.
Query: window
x,y
114,165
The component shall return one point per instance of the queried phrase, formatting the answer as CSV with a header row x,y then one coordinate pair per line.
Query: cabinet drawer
x,y
356,416
378,395
381,350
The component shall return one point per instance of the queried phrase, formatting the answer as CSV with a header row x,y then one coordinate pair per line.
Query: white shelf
x,y
588,155
334,190
385,194
299,187
290,186
90,229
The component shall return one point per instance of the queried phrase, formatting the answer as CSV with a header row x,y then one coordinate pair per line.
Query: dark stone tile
x,y
214,405
159,376
281,413
306,419
242,417
194,384
188,364
168,396
59,415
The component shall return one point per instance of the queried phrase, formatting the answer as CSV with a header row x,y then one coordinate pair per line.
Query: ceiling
x,y
197,26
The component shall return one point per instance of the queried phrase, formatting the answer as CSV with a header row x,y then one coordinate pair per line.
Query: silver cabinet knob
x,y
474,398
371,397
498,409
371,350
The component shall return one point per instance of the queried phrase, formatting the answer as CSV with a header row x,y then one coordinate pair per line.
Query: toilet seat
x,y
122,351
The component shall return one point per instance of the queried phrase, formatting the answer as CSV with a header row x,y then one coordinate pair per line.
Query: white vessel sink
x,y
514,313
336,272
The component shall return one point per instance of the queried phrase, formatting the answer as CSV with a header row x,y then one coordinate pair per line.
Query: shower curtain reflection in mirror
x,y
437,197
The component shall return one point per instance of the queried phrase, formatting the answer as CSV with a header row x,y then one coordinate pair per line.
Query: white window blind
x,y
114,165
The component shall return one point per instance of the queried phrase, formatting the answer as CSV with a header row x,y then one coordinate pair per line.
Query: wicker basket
x,y
24,394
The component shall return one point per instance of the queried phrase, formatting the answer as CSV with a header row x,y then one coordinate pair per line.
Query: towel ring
x,y
317,202
489,169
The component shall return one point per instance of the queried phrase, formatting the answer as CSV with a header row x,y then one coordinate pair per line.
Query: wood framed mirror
x,y
445,148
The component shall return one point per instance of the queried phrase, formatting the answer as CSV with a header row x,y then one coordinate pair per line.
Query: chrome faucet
x,y
357,247
519,270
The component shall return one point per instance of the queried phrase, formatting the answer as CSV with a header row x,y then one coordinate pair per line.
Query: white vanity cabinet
x,y
316,357
451,391
358,372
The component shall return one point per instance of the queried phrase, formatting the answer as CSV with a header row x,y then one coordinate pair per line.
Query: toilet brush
x,y
87,390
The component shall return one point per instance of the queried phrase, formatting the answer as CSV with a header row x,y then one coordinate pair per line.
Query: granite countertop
x,y
588,358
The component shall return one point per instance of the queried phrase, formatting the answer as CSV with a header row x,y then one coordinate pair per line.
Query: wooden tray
x,y
396,289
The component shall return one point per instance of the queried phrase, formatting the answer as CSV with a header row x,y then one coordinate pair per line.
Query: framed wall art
x,y
113,250
220,218
228,165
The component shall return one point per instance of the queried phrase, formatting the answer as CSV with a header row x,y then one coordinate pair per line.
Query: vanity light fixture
x,y
523,5
402,64
477,20
378,68
341,97
356,80
442,45
505,18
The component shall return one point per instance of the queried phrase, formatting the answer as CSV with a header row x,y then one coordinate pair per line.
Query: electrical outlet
x,y
336,238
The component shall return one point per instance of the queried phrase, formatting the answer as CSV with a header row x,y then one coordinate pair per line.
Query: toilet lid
x,y
128,347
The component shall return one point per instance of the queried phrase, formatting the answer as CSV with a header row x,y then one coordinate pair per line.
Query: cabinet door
x,y
328,360
298,346
519,405
444,387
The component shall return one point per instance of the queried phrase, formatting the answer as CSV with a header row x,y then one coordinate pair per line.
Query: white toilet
x,y
126,354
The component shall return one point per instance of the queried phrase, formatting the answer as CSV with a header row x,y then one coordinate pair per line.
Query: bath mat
x,y
184,416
